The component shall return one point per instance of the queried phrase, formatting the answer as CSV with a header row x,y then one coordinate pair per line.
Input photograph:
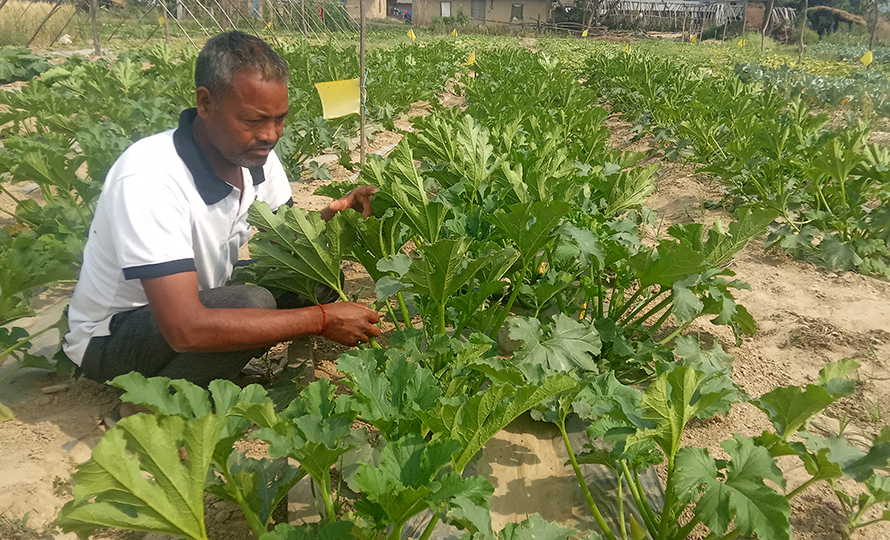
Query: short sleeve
x,y
151,228
275,190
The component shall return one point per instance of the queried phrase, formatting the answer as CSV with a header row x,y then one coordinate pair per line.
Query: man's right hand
x,y
350,323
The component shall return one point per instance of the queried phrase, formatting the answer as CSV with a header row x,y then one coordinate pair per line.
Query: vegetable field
x,y
675,268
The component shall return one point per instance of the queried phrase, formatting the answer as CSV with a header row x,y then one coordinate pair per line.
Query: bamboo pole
x,y
765,26
43,22
166,22
55,39
803,27
94,13
871,40
361,68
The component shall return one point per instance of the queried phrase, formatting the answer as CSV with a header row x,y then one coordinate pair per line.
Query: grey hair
x,y
226,54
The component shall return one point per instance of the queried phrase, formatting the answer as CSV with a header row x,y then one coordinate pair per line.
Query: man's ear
x,y
204,101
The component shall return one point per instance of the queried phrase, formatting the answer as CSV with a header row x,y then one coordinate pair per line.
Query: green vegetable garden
x,y
509,219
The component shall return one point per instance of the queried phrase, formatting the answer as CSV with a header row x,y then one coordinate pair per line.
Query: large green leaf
x,y
443,269
570,344
790,408
474,420
627,189
311,430
535,527
529,226
296,242
669,403
377,238
259,484
111,489
388,400
671,262
742,496
832,377
400,185
404,483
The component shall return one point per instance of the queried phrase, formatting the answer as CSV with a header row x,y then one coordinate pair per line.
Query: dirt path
x,y
806,317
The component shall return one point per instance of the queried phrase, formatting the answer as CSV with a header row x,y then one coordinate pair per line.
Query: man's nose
x,y
270,133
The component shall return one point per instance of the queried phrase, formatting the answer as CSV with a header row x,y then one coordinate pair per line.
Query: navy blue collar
x,y
210,186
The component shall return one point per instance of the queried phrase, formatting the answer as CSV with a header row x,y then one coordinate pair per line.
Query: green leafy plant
x,y
635,429
20,64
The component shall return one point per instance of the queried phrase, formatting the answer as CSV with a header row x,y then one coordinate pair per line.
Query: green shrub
x,y
446,24
20,64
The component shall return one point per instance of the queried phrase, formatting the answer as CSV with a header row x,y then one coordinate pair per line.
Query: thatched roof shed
x,y
840,15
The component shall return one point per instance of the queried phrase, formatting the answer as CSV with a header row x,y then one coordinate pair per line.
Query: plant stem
x,y
11,196
617,292
404,309
669,496
867,523
621,508
327,497
429,528
652,517
658,307
441,314
396,533
675,333
801,487
18,344
643,305
253,519
730,535
602,299
629,303
587,496
392,315
684,532
667,313
506,310
639,499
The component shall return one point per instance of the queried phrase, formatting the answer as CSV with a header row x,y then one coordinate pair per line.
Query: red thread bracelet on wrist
x,y
324,319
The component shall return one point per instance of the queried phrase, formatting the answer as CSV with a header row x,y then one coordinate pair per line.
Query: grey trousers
x,y
136,342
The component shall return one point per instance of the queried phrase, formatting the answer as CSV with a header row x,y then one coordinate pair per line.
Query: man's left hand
x,y
359,199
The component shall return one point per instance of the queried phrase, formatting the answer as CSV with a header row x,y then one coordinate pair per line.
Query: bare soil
x,y
806,317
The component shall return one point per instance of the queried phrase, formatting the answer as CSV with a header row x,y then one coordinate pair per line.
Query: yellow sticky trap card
x,y
269,25
160,21
627,48
742,42
867,59
584,33
471,61
693,38
454,32
411,34
339,98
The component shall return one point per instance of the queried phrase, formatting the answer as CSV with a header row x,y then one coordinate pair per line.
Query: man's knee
x,y
238,296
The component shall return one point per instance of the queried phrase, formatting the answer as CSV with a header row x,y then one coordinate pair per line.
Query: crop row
x,y
829,186
509,217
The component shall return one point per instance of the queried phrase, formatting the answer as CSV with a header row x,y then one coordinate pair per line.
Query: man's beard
x,y
248,161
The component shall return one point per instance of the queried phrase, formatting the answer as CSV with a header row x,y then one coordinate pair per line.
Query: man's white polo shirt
x,y
163,211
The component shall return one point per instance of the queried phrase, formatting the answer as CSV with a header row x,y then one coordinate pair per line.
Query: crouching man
x,y
152,295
